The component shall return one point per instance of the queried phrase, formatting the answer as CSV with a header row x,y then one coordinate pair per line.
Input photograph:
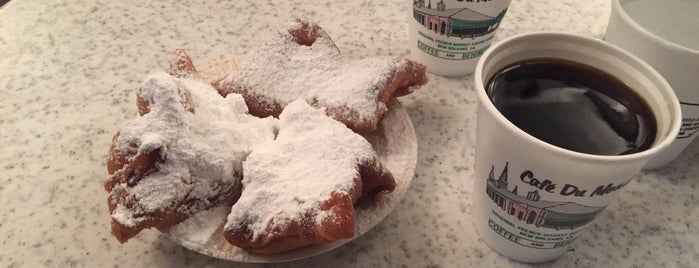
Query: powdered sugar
x,y
206,223
124,216
201,152
396,146
283,70
312,157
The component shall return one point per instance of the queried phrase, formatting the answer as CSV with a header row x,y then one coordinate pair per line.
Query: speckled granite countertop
x,y
69,71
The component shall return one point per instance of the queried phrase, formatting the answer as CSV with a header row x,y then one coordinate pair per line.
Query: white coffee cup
x,y
531,198
449,36
665,34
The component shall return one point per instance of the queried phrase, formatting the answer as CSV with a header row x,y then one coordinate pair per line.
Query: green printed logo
x,y
530,238
450,55
427,49
502,232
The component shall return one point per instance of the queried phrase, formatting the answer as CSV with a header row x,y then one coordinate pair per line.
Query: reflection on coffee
x,y
573,106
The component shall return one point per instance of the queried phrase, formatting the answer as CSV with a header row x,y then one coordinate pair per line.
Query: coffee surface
x,y
573,106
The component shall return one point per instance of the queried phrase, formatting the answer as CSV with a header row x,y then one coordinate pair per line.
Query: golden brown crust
x,y
181,65
376,180
129,166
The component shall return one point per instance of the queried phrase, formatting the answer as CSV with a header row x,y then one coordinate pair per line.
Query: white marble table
x,y
69,71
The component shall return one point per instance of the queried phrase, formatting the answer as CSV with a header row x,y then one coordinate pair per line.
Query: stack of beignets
x,y
194,142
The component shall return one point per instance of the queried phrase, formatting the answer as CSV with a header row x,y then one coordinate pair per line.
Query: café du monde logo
x,y
454,22
530,209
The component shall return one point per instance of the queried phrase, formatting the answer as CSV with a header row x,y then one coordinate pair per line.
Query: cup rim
x,y
628,20
485,101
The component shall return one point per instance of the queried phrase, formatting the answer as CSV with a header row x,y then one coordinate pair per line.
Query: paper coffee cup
x,y
449,36
665,34
533,199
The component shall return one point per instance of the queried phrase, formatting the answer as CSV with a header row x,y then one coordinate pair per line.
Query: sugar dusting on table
x,y
201,228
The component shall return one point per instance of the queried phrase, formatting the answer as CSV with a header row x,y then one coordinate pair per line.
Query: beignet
x,y
302,62
182,155
301,188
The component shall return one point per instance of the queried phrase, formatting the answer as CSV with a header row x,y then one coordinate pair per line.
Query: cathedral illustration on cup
x,y
530,209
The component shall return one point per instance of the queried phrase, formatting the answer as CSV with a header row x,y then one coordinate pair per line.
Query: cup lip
x,y
628,20
485,101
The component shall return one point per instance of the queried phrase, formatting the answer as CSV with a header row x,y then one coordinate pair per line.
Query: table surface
x,y
69,71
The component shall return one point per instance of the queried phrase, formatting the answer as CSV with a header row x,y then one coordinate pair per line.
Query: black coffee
x,y
573,106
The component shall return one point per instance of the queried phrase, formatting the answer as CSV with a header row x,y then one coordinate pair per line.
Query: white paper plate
x,y
396,146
